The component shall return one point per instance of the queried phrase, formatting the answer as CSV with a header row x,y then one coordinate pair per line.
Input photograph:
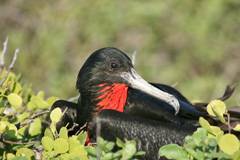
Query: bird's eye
x,y
114,65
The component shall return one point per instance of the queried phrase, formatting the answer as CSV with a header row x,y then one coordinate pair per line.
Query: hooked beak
x,y
137,82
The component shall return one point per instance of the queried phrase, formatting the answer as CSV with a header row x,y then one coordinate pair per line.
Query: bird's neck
x,y
106,96
112,96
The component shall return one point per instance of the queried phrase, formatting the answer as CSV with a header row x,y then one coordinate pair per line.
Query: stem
x,y
228,123
2,63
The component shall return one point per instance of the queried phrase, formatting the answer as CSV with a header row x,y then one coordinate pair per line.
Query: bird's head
x,y
106,77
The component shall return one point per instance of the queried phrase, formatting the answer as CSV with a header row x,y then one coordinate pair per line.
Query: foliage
x,y
61,146
208,142
24,131
23,137
184,42
20,117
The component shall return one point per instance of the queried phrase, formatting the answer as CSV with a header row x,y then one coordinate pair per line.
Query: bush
x,y
208,142
23,132
24,136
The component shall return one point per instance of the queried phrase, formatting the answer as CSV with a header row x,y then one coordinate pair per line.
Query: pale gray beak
x,y
137,82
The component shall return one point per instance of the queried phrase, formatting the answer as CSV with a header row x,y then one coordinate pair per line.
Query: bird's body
x,y
149,134
126,106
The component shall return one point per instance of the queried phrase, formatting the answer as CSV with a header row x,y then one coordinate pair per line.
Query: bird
x,y
116,98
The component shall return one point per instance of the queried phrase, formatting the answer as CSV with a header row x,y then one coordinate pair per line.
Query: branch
x,y
134,57
73,99
80,129
14,59
5,43
2,63
17,142
30,120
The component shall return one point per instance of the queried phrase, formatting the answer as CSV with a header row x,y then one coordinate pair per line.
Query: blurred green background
x,y
194,44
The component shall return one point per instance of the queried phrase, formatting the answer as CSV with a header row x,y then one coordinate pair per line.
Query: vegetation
x,y
23,136
194,44
23,132
208,142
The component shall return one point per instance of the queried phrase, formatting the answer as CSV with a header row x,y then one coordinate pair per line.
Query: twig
x,y
73,126
174,84
134,57
81,128
37,114
14,59
73,99
98,131
2,62
228,123
30,120
16,142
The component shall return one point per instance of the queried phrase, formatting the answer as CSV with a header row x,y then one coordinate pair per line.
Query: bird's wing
x,y
149,134
144,105
187,109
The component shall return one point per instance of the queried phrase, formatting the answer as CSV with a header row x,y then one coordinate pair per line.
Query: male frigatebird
x,y
114,97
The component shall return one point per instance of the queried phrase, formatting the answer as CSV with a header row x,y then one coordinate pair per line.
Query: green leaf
x,y
236,155
10,156
53,128
173,151
91,150
47,143
17,88
193,153
11,134
20,158
107,156
56,115
129,150
22,130
14,100
118,154
199,136
3,126
109,146
48,133
82,137
25,152
51,100
237,128
204,123
12,127
73,142
60,145
216,130
229,144
79,150
140,153
31,105
35,127
39,102
23,116
120,143
41,94
217,108
63,133
212,129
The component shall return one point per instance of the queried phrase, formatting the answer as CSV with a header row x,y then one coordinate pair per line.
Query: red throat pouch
x,y
113,96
